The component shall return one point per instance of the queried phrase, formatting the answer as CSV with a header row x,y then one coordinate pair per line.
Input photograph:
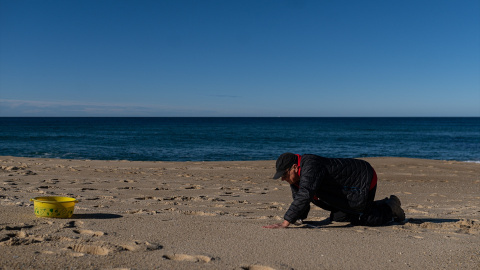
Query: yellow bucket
x,y
54,207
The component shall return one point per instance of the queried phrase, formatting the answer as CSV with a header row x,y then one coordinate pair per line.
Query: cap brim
x,y
278,175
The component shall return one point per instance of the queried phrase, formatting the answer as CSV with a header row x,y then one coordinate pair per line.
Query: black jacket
x,y
337,184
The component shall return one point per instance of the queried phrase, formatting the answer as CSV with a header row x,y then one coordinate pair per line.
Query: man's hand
x,y
284,224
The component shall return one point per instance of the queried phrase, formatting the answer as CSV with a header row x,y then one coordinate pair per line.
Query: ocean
x,y
227,139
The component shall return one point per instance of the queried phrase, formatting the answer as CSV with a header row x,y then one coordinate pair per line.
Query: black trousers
x,y
377,213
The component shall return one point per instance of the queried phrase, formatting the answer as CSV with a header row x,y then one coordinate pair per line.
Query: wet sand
x,y
209,215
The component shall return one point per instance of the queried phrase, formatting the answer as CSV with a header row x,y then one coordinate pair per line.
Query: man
x,y
345,187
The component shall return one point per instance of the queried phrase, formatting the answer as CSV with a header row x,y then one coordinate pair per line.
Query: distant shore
x,y
209,215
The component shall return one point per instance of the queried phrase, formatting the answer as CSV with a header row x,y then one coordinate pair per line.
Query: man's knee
x,y
340,216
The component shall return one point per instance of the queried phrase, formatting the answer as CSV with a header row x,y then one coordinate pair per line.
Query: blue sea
x,y
226,139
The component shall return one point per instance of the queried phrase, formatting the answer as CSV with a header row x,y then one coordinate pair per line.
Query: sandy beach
x,y
209,215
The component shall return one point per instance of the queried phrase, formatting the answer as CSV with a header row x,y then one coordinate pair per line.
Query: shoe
x,y
394,203
298,222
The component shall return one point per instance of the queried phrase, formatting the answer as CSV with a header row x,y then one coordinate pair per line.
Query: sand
x,y
209,215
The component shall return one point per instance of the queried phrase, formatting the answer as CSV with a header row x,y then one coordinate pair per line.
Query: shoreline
x,y
208,215
260,160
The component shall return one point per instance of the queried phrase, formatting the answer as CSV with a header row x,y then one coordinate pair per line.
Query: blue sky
x,y
239,58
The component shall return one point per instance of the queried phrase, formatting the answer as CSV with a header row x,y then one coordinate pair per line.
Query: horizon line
x,y
239,116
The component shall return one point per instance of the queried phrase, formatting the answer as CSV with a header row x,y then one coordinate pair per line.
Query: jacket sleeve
x,y
304,214
301,202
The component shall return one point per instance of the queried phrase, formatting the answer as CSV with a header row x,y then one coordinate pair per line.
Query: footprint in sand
x,y
107,248
91,198
198,213
194,187
188,258
142,211
88,189
257,267
127,181
89,232
90,249
17,235
18,227
136,245
73,224
463,226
